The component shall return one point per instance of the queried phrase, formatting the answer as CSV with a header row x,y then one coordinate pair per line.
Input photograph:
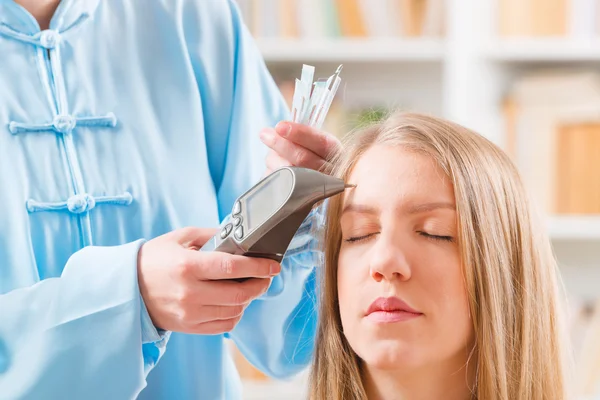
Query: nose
x,y
389,261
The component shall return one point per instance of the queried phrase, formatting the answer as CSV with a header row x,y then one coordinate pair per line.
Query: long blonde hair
x,y
509,268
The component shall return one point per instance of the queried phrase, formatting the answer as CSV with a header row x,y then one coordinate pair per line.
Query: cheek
x,y
446,289
350,277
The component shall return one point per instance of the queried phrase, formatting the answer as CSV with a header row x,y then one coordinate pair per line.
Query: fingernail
x,y
283,128
275,269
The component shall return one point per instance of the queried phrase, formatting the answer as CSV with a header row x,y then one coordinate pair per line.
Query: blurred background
x,y
524,73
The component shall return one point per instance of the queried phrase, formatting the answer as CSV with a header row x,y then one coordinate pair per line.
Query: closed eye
x,y
359,238
436,237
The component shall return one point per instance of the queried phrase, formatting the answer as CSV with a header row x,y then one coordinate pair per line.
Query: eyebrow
x,y
359,208
426,207
419,208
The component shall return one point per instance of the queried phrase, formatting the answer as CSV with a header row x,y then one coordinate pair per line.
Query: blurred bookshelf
x,y
568,227
544,50
351,50
524,73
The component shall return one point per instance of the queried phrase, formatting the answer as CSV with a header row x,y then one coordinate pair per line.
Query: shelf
x,y
574,227
377,50
352,50
544,50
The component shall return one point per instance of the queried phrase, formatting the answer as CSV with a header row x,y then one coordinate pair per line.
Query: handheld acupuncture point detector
x,y
265,218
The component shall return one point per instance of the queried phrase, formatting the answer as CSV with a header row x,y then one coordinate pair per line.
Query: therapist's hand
x,y
298,145
190,291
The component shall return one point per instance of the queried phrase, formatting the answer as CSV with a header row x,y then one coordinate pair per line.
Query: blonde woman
x,y
438,283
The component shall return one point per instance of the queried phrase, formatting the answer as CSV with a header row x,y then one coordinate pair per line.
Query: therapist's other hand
x,y
190,291
298,145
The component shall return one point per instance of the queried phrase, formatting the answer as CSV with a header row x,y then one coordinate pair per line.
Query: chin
x,y
389,354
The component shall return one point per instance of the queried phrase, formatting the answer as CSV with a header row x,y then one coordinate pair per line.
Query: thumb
x,y
193,237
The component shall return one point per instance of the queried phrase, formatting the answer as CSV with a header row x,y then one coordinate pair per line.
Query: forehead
x,y
389,173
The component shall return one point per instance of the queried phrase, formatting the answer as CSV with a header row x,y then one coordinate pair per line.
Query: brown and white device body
x,y
265,218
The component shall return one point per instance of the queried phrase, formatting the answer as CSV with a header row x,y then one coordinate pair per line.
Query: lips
x,y
391,309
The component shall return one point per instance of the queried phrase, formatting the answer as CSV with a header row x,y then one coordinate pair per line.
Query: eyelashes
x,y
449,239
440,238
360,238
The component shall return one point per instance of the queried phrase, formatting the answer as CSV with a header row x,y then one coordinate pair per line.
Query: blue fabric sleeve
x,y
240,98
150,333
277,332
80,335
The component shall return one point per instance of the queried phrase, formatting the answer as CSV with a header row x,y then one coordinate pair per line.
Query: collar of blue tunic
x,y
69,14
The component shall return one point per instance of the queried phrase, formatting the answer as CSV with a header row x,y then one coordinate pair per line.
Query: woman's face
x,y
402,296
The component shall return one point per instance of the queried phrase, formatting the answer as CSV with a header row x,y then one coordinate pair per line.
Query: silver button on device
x,y
237,221
237,208
239,233
226,231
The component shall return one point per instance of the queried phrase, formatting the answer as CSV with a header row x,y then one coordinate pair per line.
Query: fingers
x,y
322,144
184,288
274,161
190,316
220,304
216,301
291,152
200,302
193,237
215,327
216,265
220,313
232,293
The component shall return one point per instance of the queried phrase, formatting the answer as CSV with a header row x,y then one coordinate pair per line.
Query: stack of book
x,y
298,19
542,18
553,123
